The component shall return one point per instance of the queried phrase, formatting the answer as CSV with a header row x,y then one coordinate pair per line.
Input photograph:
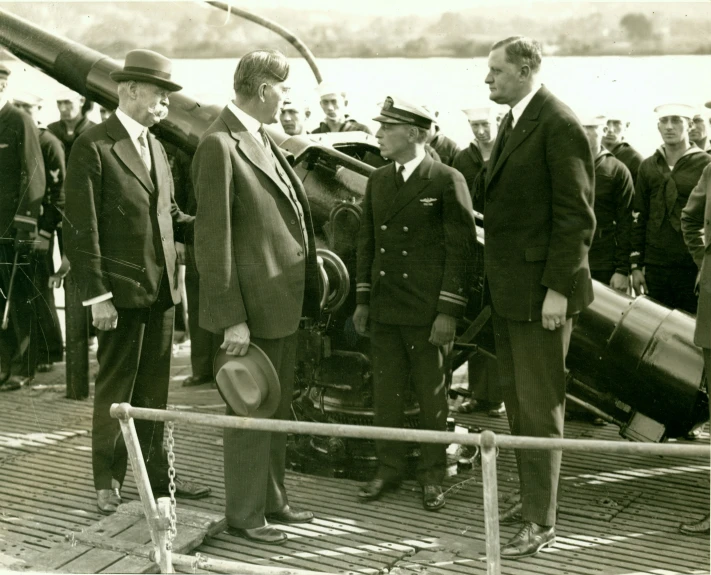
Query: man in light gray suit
x,y
255,253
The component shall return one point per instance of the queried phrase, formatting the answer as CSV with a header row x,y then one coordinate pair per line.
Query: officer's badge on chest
x,y
428,202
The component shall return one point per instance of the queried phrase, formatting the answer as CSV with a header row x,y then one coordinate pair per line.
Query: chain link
x,y
171,486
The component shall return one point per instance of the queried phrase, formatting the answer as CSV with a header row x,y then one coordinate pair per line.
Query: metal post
x,y
491,502
163,549
155,522
77,341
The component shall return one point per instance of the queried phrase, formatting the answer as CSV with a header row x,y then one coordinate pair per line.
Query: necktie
x,y
143,147
399,178
265,141
506,128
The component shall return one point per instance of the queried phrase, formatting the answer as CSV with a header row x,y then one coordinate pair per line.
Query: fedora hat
x,y
147,66
249,384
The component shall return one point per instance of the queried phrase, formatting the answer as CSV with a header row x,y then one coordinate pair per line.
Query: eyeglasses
x,y
284,90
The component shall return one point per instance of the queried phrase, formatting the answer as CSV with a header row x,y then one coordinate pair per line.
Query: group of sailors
x,y
413,244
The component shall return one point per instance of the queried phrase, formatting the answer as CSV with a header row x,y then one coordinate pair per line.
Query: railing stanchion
x,y
165,561
140,474
491,502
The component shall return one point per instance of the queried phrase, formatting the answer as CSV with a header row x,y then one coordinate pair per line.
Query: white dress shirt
x,y
410,166
252,124
518,109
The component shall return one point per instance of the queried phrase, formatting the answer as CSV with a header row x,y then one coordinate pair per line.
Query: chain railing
x,y
488,442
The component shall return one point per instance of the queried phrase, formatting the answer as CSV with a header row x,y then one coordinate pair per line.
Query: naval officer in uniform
x,y
416,235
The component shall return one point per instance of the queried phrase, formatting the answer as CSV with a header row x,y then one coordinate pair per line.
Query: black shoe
x,y
469,406
108,500
195,380
697,528
268,535
289,515
185,489
375,489
432,497
528,541
15,382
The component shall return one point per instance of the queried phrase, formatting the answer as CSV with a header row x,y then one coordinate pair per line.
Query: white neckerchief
x,y
410,166
518,109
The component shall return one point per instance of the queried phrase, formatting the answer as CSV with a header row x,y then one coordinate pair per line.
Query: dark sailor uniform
x,y
609,252
657,242
445,147
630,157
469,162
22,187
350,125
413,247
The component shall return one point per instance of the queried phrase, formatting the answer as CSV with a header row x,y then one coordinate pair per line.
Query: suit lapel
x,y
526,124
255,152
127,153
412,188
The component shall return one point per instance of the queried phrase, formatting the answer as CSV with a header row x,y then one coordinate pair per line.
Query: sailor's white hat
x,y
681,110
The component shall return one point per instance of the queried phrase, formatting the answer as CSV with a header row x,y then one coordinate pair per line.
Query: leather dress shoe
x,y
15,382
432,497
696,528
195,380
108,500
469,406
528,541
289,515
496,410
265,534
185,489
375,489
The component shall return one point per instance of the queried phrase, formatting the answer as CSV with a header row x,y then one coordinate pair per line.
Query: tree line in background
x,y
187,30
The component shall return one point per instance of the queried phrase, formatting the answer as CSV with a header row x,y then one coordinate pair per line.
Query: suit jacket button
x,y
293,222
382,250
404,252
405,229
383,227
382,273
159,212
404,276
162,238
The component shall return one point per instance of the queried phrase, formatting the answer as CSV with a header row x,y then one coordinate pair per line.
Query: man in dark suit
x,y
120,224
539,224
22,186
696,227
415,239
256,256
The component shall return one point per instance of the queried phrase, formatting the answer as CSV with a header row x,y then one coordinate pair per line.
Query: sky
x,y
392,7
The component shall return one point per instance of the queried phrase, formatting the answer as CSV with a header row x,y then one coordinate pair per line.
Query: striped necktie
x,y
143,147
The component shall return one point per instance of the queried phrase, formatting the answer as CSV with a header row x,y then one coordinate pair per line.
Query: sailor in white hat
x,y
618,122
659,259
474,157
334,103
73,120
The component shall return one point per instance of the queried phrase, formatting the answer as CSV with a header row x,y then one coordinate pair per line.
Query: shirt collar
x,y
134,129
410,166
252,124
518,109
603,152
693,149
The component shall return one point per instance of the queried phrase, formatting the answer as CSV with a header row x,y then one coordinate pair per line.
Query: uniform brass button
x,y
382,273
404,252
404,276
405,229
382,250
383,227
293,222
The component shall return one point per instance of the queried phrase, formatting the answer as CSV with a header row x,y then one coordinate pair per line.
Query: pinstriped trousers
x,y
531,368
254,460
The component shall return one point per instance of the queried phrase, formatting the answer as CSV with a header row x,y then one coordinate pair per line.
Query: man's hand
x,y
619,282
639,284
41,244
55,280
443,330
105,316
555,306
180,252
236,339
360,319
